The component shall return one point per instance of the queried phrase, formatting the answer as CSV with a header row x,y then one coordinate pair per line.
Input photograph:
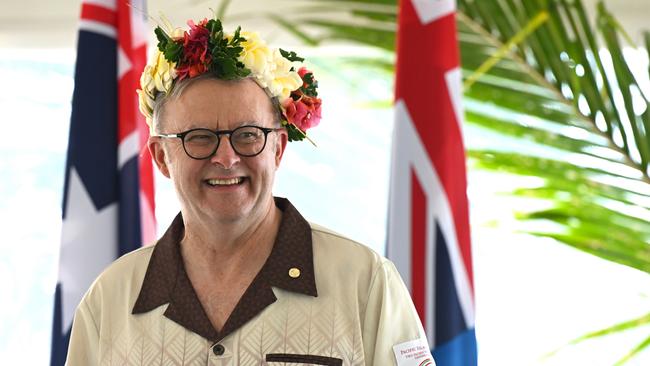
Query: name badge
x,y
413,353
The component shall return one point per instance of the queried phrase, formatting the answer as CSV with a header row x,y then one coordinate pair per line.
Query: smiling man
x,y
240,277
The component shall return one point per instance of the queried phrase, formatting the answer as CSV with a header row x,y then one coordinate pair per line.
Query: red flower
x,y
196,58
302,72
303,113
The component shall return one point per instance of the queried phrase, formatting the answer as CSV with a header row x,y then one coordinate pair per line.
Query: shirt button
x,y
218,350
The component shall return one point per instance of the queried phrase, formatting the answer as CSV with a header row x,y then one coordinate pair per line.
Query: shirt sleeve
x,y
84,339
390,318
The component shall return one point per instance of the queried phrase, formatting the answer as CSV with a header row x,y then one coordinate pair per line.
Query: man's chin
x,y
230,212
234,208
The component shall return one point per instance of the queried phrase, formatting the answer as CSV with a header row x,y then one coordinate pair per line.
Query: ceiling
x,y
53,23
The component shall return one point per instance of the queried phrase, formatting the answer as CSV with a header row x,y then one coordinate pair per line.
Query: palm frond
x,y
563,88
611,330
554,86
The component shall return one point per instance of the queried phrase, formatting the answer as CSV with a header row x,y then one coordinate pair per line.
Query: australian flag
x,y
108,195
429,234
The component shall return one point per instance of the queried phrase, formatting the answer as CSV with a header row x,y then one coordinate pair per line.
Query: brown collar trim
x,y
166,280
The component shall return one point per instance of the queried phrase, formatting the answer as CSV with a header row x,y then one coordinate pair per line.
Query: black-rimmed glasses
x,y
202,143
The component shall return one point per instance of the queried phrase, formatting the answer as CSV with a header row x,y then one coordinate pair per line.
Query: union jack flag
x,y
429,234
108,199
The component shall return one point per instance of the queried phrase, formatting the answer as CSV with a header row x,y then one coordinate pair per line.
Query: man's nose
x,y
225,156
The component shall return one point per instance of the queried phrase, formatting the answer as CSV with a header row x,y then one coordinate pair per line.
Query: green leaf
x,y
614,329
171,50
310,85
215,27
225,52
293,132
291,56
640,347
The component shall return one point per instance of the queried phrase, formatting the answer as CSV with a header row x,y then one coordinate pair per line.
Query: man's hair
x,y
162,99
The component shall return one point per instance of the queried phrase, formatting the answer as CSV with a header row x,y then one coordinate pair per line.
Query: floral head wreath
x,y
206,48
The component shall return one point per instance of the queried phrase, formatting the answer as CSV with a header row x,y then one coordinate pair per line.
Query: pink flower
x,y
303,113
195,59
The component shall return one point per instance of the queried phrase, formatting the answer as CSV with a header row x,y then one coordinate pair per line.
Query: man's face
x,y
225,187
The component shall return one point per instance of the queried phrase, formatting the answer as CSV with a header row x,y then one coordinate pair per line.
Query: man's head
x,y
224,186
217,81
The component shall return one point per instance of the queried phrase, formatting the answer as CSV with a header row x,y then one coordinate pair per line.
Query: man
x,y
240,278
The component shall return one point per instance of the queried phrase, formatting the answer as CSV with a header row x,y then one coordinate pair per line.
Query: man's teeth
x,y
224,182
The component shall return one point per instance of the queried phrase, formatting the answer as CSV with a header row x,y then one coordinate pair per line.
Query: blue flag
x,y
102,194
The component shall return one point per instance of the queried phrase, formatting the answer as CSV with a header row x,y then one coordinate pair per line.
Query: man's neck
x,y
231,246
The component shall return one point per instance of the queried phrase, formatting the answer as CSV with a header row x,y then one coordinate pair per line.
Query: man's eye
x,y
247,135
199,138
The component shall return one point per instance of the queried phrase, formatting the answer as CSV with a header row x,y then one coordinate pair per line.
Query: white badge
x,y
413,353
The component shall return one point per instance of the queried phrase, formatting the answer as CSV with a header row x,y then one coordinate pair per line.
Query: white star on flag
x,y
87,245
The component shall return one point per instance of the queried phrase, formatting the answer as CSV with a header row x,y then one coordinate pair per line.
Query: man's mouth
x,y
225,182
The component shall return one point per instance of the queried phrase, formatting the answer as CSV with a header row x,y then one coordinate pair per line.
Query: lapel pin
x,y
294,272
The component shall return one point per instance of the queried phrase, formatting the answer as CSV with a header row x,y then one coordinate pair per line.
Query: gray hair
x,y
180,86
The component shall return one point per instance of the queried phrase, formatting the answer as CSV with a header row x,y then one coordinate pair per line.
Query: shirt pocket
x,y
303,359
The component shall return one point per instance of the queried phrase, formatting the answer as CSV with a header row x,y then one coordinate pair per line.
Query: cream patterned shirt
x,y
320,299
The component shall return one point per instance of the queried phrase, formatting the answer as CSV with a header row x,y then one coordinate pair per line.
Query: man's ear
x,y
281,144
158,154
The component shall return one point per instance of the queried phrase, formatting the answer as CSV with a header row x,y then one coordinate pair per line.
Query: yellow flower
x,y
163,73
256,55
283,80
268,67
158,77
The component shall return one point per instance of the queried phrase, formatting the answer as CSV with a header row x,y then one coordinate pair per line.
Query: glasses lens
x,y
248,140
200,144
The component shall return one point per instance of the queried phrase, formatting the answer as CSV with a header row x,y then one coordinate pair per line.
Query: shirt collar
x,y
166,280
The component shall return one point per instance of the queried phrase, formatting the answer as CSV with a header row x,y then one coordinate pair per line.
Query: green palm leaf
x,y
552,87
544,74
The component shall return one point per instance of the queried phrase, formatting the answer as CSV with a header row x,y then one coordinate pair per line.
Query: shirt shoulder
x,y
133,258
129,264
339,247
354,263
122,279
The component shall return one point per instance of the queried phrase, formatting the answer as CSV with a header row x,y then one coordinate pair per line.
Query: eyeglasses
x,y
202,143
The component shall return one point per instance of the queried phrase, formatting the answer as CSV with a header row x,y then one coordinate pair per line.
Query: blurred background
x,y
558,149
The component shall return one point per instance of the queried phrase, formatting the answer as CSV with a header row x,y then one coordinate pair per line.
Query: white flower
x,y
157,77
283,80
256,55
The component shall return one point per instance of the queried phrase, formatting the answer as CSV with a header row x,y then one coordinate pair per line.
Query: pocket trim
x,y
313,359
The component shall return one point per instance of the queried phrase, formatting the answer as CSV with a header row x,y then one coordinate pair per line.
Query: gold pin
x,y
294,272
